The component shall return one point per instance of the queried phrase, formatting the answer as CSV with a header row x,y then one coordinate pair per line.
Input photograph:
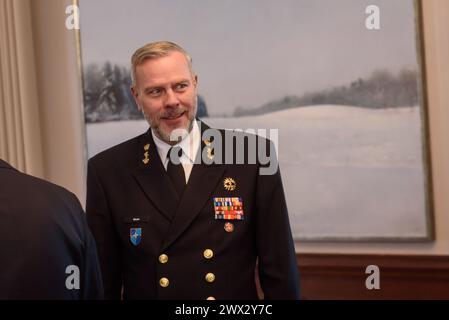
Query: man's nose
x,y
171,99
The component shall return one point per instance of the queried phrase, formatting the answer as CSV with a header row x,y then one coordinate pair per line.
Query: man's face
x,y
166,92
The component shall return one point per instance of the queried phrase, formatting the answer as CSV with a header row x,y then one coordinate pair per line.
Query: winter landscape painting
x,y
348,101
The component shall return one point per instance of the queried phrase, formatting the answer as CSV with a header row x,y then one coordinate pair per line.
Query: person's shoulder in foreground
x,y
47,250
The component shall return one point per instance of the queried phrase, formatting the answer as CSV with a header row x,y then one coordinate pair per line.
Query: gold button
x,y
163,282
210,277
163,258
210,298
208,253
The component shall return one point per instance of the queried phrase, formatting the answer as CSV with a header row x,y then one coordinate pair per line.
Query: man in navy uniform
x,y
47,250
183,229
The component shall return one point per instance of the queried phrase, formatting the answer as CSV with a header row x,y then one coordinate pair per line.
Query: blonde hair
x,y
155,50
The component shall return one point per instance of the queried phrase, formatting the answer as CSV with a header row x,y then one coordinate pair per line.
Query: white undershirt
x,y
189,145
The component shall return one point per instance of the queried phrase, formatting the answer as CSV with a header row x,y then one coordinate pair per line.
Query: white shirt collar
x,y
189,145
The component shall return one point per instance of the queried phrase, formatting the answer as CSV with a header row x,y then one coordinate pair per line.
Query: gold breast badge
x,y
210,154
209,149
146,154
229,184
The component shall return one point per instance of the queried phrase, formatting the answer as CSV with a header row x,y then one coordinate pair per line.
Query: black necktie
x,y
176,171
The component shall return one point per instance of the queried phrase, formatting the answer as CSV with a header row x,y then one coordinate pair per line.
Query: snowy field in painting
x,y
348,172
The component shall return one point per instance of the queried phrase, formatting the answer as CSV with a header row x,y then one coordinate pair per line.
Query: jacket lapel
x,y
202,182
153,179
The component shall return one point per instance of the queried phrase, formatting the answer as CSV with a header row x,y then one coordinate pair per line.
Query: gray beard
x,y
166,137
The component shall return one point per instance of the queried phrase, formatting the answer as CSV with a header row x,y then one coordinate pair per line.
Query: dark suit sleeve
x,y
278,270
99,219
92,286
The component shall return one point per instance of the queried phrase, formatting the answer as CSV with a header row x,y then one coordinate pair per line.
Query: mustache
x,y
172,113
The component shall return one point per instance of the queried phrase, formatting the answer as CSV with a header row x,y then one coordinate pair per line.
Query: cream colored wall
x,y
20,125
63,133
60,97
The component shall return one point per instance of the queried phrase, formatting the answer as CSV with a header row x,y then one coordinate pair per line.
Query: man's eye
x,y
181,86
154,92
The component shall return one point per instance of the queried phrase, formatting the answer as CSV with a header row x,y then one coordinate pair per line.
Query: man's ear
x,y
135,94
195,80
